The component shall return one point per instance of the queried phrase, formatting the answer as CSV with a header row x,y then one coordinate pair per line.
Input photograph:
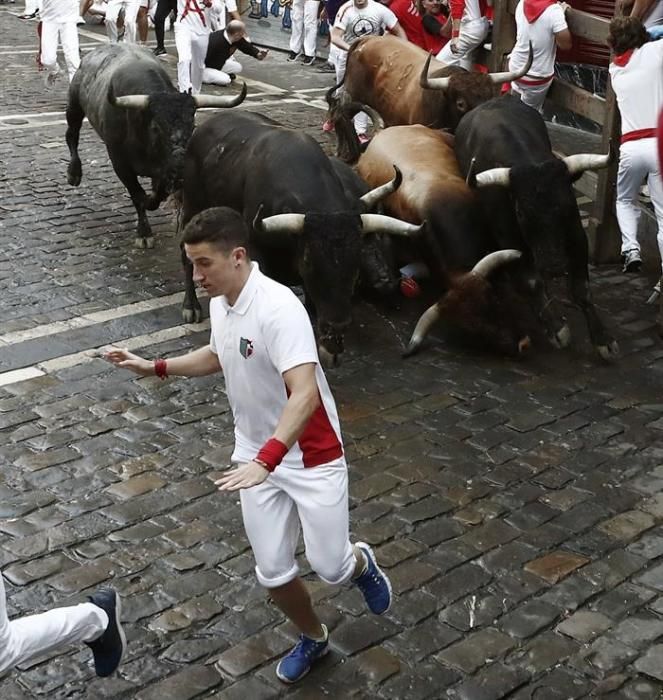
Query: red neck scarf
x,y
533,9
622,59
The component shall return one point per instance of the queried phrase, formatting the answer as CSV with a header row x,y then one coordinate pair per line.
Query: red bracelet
x,y
271,454
160,368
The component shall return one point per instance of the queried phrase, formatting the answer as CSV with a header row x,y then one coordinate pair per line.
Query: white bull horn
x,y
279,223
424,324
377,194
432,83
378,223
494,176
509,76
585,161
219,101
489,263
132,101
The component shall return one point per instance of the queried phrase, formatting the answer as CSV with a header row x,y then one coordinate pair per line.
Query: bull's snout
x,y
524,345
331,340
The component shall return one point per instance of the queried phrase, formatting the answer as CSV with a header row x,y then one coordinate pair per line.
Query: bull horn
x,y
424,324
585,161
509,76
376,195
489,263
494,176
378,223
220,101
280,223
132,101
432,83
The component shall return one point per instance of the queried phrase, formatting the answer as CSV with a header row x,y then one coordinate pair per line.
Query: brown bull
x,y
457,244
392,77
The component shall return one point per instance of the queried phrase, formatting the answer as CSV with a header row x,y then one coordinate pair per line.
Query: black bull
x,y
145,123
305,227
504,148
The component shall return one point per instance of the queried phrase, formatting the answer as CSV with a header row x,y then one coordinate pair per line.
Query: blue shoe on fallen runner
x,y
373,583
298,662
109,648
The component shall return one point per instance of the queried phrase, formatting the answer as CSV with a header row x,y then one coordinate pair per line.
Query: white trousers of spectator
x,y
191,52
304,16
27,637
67,32
361,118
532,95
638,161
472,35
213,76
130,12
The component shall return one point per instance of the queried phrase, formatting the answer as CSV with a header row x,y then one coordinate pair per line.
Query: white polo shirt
x,y
264,334
58,11
197,18
638,86
367,21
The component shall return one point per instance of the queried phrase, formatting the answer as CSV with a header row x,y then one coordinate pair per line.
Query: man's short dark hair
x,y
223,227
626,33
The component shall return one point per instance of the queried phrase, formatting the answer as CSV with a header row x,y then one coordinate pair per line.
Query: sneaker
x,y
159,51
31,16
632,261
293,56
373,583
232,76
51,78
108,649
308,60
80,20
328,126
326,68
363,139
298,662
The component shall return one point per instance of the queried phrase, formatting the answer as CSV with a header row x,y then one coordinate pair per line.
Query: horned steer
x,y
129,99
305,228
456,244
527,191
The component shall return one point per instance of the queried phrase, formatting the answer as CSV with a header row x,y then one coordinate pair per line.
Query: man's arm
x,y
641,8
398,31
337,39
563,38
197,363
303,400
248,48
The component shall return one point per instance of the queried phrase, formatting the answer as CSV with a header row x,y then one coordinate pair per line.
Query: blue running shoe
x,y
373,583
298,662
108,649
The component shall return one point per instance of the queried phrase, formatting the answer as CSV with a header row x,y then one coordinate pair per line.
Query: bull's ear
x,y
461,104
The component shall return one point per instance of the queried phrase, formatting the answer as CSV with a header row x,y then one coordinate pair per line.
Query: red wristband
x,y
272,453
160,368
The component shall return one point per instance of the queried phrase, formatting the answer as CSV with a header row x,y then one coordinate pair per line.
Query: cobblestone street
x,y
517,506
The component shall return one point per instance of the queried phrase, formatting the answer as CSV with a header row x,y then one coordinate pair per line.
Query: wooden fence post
x,y
504,34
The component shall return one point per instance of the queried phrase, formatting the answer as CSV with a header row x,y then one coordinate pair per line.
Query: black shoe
x,y
108,649
232,76
631,261
308,60
293,55
32,16
326,68
160,51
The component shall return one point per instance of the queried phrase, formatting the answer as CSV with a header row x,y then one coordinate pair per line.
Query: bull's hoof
x,y
74,175
562,338
191,315
608,352
327,359
151,203
144,242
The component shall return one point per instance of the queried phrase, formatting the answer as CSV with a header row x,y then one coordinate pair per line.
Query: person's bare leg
x,y
294,601
141,23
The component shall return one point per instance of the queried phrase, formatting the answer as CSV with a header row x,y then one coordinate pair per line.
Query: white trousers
x,y
471,36
130,12
340,61
213,76
30,7
638,161
67,32
532,95
304,16
27,637
315,499
191,52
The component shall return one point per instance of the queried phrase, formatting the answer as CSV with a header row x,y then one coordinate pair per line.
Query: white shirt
x,y
58,10
367,21
219,16
638,87
541,33
264,334
192,19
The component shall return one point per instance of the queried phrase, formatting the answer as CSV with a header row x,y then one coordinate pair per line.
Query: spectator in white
x,y
59,19
31,9
192,29
220,66
355,19
304,17
469,28
96,623
541,22
636,74
650,12
113,9
219,17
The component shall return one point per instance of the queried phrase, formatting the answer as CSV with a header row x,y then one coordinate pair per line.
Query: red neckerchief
x,y
533,9
622,59
196,8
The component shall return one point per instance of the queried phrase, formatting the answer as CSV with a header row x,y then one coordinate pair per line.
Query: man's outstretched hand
x,y
244,477
121,357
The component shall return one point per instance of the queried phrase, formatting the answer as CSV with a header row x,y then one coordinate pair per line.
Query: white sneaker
x,y
80,20
632,261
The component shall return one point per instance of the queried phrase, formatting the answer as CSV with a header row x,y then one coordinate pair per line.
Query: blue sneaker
x,y
373,583
108,649
298,662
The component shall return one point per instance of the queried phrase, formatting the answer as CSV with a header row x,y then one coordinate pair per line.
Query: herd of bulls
x,y
490,209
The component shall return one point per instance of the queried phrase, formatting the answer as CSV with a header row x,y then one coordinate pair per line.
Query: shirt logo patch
x,y
245,348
